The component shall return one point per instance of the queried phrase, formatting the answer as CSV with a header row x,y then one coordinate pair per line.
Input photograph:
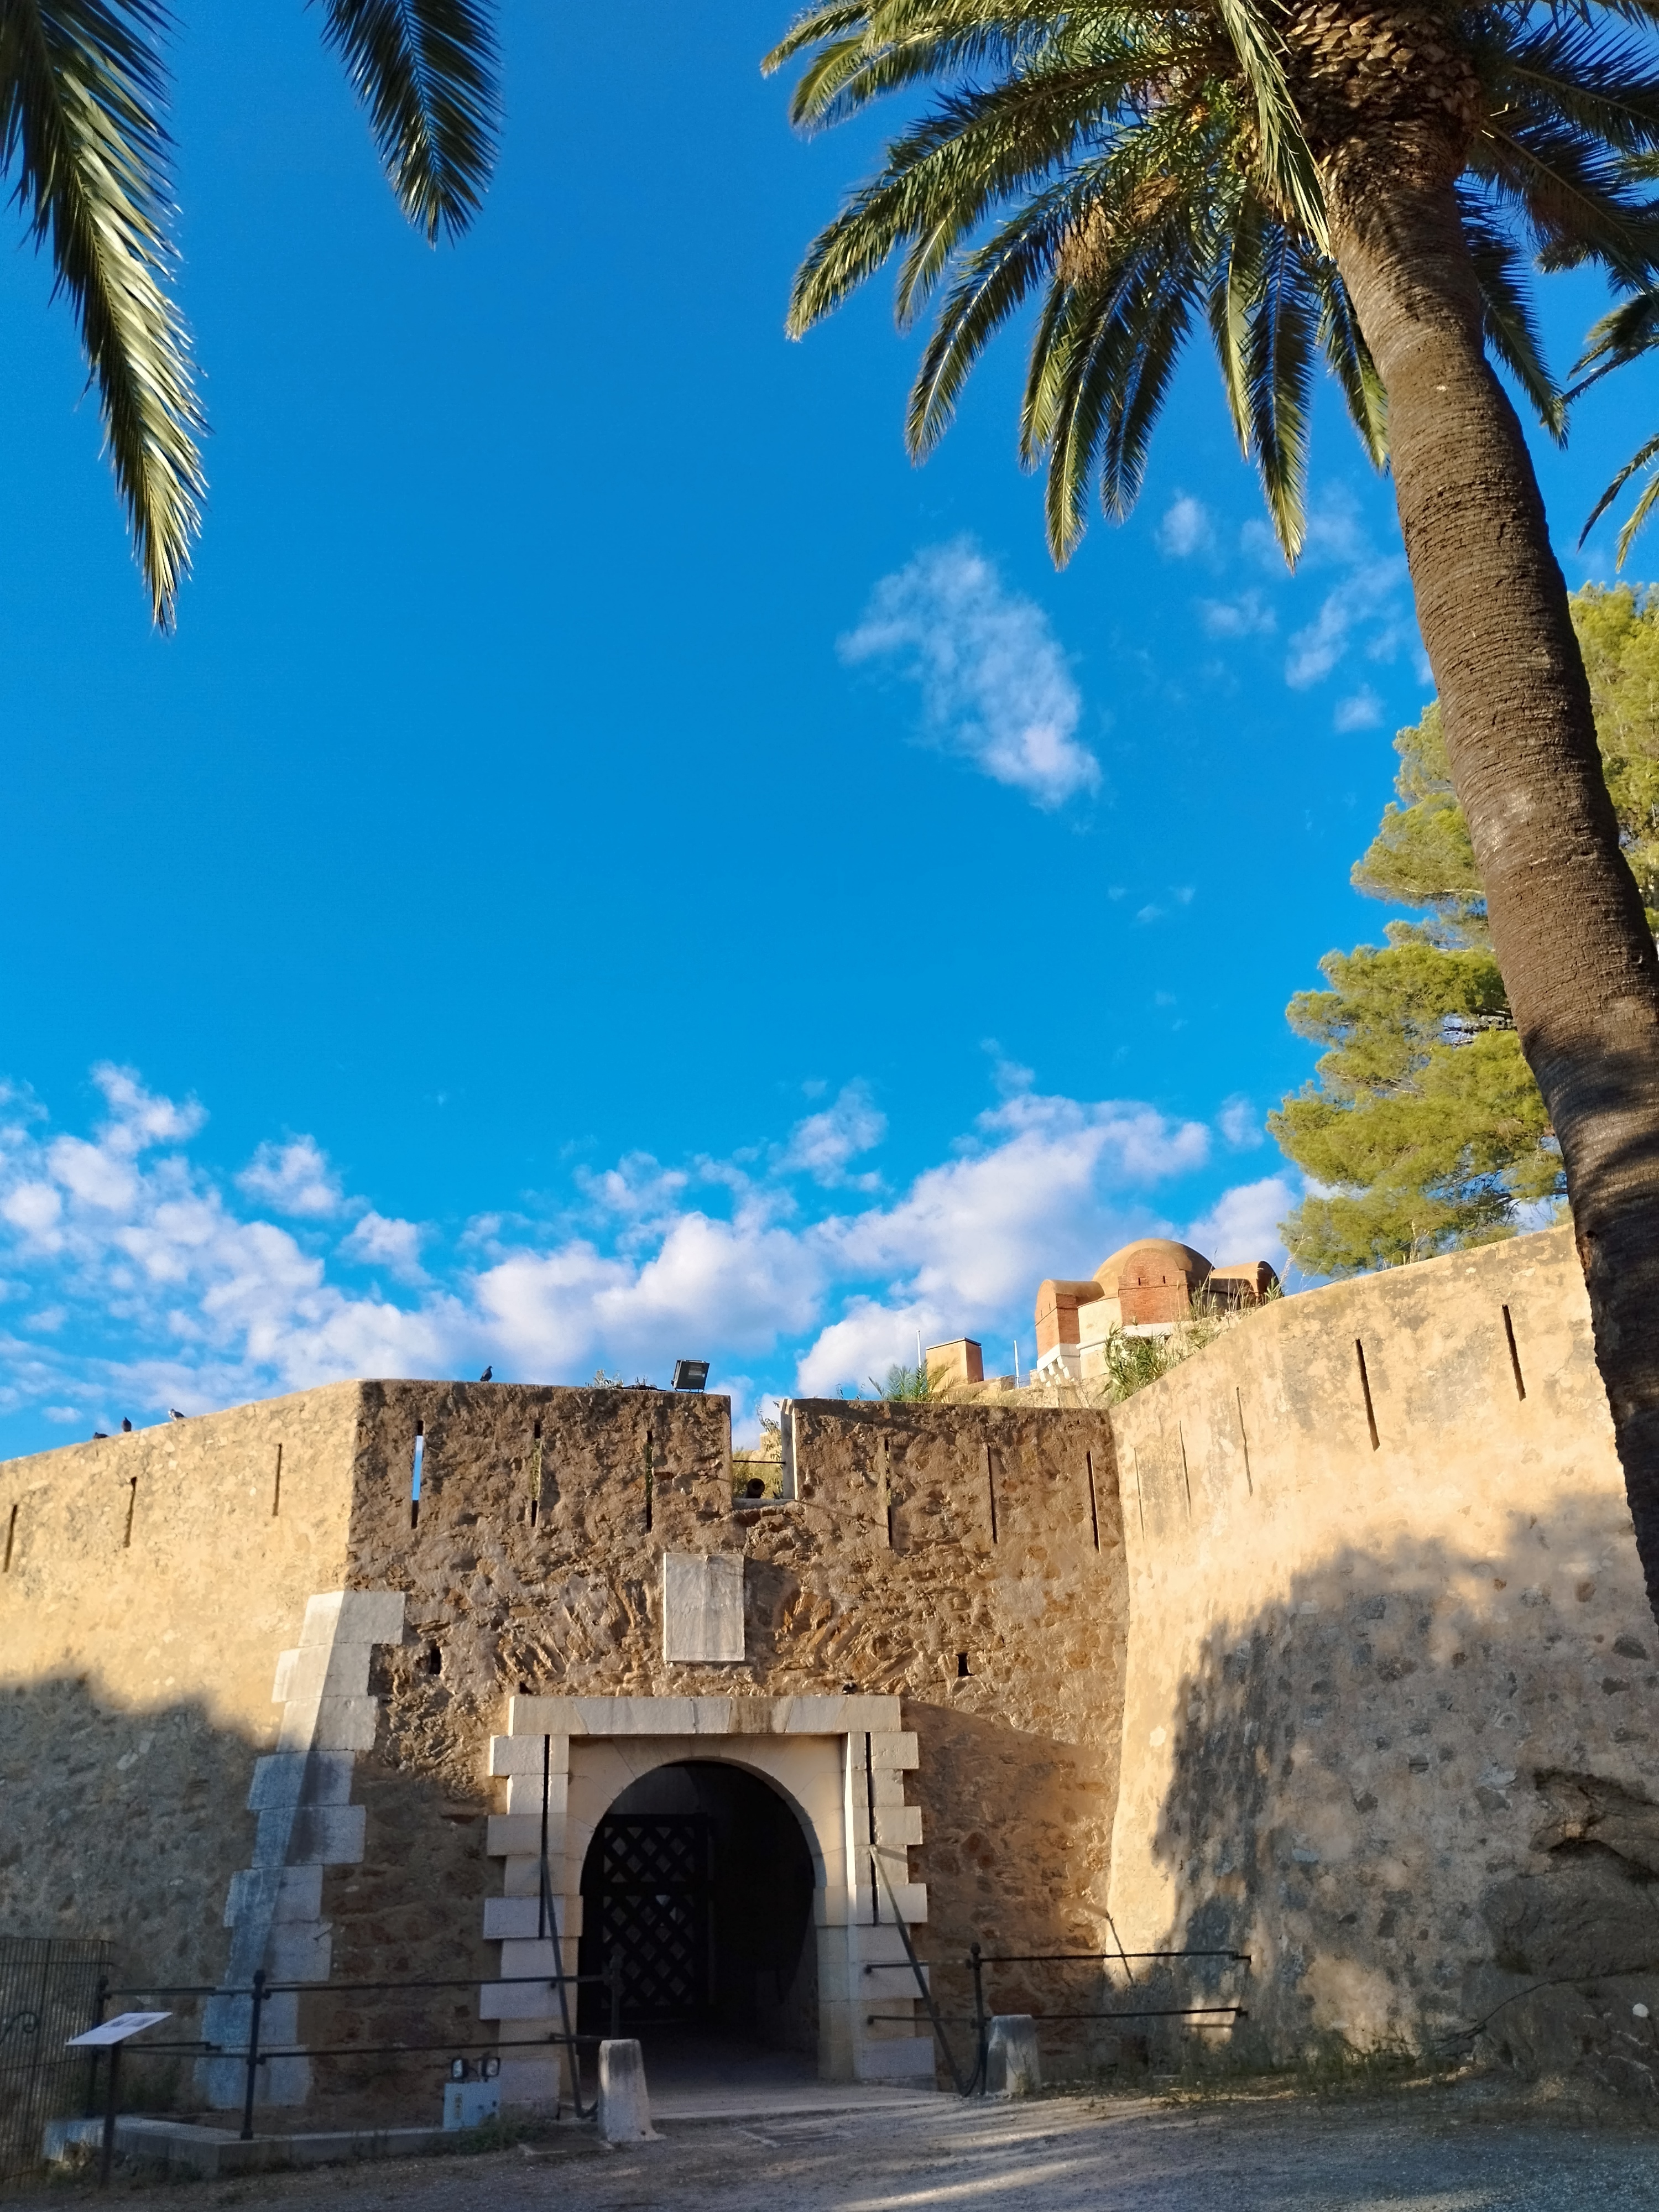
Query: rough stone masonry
x,y
1329,1649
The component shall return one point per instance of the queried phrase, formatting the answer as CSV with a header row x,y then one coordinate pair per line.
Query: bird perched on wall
x,y
173,1414
100,1436
489,1375
126,1426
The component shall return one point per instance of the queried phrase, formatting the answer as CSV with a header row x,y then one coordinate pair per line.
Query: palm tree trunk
x,y
1567,923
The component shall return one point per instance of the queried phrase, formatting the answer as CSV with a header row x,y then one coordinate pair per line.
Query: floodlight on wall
x,y
690,1374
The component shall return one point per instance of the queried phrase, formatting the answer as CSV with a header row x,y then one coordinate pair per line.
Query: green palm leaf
x,y
81,96
425,69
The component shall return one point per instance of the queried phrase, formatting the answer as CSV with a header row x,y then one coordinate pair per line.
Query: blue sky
x,y
615,863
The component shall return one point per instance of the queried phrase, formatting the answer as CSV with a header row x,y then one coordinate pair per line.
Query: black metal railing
x,y
49,1989
978,1961
257,2051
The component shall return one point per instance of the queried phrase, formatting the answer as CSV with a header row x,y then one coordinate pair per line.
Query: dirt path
x,y
1433,2151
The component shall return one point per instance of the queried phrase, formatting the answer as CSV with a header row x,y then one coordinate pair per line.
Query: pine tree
x,y
1423,1129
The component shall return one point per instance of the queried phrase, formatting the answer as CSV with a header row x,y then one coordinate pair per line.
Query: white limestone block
x,y
275,1894
510,1918
355,1616
624,2103
898,1826
299,1951
316,1670
523,1755
703,1606
894,1747
514,1835
517,2001
524,1794
328,1835
1013,2067
347,1723
285,1665
527,1956
530,2085
897,2058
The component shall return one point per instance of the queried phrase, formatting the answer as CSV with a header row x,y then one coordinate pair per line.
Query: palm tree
x,y
82,96
1631,331
1367,179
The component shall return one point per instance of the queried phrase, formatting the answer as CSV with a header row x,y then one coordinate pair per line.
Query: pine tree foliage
x,y
1424,1130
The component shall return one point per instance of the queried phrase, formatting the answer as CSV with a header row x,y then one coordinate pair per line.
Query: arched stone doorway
x,y
700,1882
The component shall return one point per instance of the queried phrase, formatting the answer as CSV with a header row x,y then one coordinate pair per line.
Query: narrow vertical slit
x,y
1365,1386
889,1524
1094,1510
11,1538
962,1666
1186,1479
648,1485
132,1507
276,1487
415,1475
1244,1440
1140,1502
991,1488
870,1805
535,1473
1515,1356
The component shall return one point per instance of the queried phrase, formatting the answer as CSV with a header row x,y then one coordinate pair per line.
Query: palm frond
x,y
1638,515
425,71
1578,201
1511,329
1282,334
1638,460
1287,166
1630,329
1349,359
82,92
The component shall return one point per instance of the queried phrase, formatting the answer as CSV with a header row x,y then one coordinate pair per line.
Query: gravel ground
x,y
1431,2150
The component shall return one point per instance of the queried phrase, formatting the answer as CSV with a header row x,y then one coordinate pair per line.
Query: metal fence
x,y
49,1989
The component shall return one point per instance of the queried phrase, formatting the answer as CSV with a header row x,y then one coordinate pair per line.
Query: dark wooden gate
x,y
652,1906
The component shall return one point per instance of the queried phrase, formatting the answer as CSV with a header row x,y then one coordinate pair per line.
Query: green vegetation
x,y
904,1384
1424,1127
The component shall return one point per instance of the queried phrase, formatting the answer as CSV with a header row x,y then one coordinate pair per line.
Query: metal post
x,y
107,2160
613,1974
99,2006
256,2006
982,2030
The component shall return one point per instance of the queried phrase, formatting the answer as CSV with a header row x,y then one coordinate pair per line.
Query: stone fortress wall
x,y
339,1672
1390,1721
1350,1598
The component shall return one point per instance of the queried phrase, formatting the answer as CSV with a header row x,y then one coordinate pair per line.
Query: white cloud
x,y
994,682
1240,1125
1248,616
788,1271
825,1143
1186,528
1361,710
1244,1223
378,1241
1369,604
295,1178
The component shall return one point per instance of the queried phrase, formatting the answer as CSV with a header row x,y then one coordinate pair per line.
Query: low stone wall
x,y
1390,1713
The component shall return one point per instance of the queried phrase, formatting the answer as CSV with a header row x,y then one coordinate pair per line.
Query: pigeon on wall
x,y
489,1375
173,1414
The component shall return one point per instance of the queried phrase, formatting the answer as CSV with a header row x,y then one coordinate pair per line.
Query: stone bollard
x,y
1013,2067
624,2104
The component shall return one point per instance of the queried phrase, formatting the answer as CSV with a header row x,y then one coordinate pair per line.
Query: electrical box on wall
x,y
469,2104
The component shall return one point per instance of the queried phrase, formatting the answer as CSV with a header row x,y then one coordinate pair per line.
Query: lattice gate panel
x,y
654,1909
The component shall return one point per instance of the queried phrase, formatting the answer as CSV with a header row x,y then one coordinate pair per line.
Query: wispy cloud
x,y
137,1279
1361,710
1368,608
1185,528
295,1179
1244,1223
996,686
1248,616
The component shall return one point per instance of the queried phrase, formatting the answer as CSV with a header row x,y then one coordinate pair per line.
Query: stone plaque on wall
x,y
702,1606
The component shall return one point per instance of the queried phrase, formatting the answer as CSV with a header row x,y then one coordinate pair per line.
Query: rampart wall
x,y
1389,1718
